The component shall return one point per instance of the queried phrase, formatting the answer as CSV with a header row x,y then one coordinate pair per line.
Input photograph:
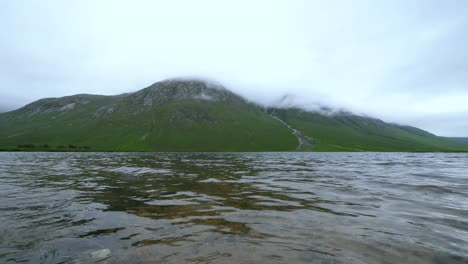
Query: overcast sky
x,y
402,61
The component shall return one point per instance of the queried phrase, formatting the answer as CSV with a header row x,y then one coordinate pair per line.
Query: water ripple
x,y
234,207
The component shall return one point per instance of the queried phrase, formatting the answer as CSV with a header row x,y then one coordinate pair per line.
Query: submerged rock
x,y
101,254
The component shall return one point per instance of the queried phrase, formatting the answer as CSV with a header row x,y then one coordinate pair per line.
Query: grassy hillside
x,y
462,140
348,132
194,115
167,116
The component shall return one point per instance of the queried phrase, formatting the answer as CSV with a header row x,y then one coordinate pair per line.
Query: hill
x,y
343,131
194,115
462,140
171,115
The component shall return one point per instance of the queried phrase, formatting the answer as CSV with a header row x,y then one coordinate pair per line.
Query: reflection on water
x,y
233,208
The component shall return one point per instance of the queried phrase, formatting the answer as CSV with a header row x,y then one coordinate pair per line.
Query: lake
x,y
233,208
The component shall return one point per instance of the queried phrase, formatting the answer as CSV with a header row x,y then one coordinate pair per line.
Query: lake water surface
x,y
233,208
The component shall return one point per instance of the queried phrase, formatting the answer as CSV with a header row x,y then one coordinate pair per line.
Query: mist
x,y
401,61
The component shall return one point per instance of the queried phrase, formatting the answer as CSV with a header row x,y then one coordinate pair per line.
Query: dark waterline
x,y
233,207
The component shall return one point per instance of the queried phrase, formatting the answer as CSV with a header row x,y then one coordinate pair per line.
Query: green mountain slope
x,y
462,140
348,132
192,115
167,116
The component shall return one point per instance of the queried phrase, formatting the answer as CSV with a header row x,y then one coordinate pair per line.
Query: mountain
x,y
195,115
343,131
462,140
173,115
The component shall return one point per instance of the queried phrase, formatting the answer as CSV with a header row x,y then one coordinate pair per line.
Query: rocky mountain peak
x,y
184,89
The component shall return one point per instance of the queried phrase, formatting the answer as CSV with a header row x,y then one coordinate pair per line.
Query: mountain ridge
x,y
197,115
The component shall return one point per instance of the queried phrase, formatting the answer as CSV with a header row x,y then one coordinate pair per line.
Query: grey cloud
x,y
403,61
